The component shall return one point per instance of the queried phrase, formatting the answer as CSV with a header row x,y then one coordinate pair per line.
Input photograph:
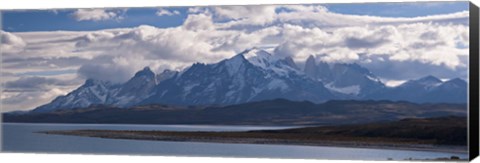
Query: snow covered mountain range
x,y
256,75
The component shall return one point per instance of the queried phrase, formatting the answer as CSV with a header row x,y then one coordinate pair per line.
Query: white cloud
x,y
201,39
10,43
247,15
131,50
321,17
165,12
95,14
394,83
312,16
198,22
406,42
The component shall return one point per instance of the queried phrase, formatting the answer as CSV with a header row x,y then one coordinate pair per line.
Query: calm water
x,y
22,138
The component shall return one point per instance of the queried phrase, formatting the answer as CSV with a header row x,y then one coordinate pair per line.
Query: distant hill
x,y
449,130
268,112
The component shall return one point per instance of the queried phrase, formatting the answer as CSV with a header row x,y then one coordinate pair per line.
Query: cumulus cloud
x,y
124,52
95,14
198,22
165,12
399,43
10,43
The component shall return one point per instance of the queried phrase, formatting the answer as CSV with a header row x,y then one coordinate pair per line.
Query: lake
x,y
21,137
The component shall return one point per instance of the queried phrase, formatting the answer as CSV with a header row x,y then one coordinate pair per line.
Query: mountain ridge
x,y
256,75
267,112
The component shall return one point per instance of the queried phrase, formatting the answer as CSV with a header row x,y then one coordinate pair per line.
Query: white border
x,y
56,4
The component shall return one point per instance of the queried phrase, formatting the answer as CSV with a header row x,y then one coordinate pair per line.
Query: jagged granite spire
x,y
311,67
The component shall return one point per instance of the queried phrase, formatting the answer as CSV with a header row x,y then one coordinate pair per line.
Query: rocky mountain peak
x,y
311,67
429,80
147,72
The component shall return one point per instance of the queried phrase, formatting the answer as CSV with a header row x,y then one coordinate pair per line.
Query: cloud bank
x,y
95,14
165,12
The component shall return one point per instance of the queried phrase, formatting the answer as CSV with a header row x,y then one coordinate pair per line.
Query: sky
x,y
47,53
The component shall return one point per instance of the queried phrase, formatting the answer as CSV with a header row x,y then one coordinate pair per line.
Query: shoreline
x,y
173,124
249,137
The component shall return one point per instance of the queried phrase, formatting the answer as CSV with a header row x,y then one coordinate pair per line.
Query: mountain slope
x,y
428,89
94,92
268,112
256,75
349,79
91,92
252,75
134,90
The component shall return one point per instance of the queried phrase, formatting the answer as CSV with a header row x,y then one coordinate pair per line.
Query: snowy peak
x,y
134,90
232,65
91,92
429,80
263,60
255,53
94,82
166,74
454,83
426,82
343,68
266,61
345,78
258,57
140,85
252,75
146,72
427,89
142,77
457,81
94,92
